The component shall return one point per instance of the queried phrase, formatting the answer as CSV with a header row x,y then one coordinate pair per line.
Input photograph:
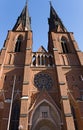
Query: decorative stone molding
x,y
78,50
5,118
61,83
9,66
64,97
68,115
29,48
55,49
4,48
23,115
25,82
24,98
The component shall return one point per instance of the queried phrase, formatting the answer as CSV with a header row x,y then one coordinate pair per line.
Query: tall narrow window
x,y
34,60
74,117
18,43
10,56
50,60
64,45
15,116
5,77
42,60
44,114
46,61
38,59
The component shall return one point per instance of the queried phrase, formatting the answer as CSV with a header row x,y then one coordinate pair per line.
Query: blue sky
x,y
70,12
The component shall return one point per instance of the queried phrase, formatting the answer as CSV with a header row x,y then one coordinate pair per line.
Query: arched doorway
x,y
45,124
45,116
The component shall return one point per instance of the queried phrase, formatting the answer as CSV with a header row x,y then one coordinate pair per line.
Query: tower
x,y
41,90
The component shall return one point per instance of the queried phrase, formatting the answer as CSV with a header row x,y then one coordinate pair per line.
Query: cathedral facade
x,y
41,90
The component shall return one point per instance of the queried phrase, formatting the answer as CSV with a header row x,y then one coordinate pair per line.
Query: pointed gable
x,y
23,21
41,49
44,95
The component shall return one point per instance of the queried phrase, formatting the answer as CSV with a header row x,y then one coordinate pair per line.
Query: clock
x,y
43,80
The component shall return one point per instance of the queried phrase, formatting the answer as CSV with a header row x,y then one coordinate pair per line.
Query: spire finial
x,y
26,2
50,3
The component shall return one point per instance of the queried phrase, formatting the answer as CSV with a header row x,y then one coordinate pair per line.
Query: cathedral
x,y
41,90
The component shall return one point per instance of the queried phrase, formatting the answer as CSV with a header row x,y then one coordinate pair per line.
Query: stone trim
x,y
25,82
5,118
61,83
78,50
24,98
23,115
64,97
29,48
55,49
68,115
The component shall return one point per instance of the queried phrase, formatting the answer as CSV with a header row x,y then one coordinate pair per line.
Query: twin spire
x,y
55,23
24,22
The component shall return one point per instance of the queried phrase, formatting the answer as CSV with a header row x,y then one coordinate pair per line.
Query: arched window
x,y
50,60
64,45
34,60
18,43
46,60
42,60
38,59
15,116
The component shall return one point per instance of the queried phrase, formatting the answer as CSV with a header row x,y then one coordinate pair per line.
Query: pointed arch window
x,y
50,60
34,60
38,59
42,60
15,116
18,43
64,45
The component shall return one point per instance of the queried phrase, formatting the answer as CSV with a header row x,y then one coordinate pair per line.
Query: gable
x,y
41,49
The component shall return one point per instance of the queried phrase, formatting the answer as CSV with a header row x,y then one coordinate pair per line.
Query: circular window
x,y
43,80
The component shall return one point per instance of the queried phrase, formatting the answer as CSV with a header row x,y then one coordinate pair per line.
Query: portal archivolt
x,y
45,117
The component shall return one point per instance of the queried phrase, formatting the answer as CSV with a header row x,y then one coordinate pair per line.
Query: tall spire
x,y
55,23
26,2
50,3
23,22
27,26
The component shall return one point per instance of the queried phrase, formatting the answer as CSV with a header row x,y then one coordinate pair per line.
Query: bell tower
x,y
41,90
15,58
68,64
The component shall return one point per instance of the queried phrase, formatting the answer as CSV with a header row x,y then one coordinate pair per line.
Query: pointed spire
x,y
50,3
27,26
23,22
26,2
55,23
